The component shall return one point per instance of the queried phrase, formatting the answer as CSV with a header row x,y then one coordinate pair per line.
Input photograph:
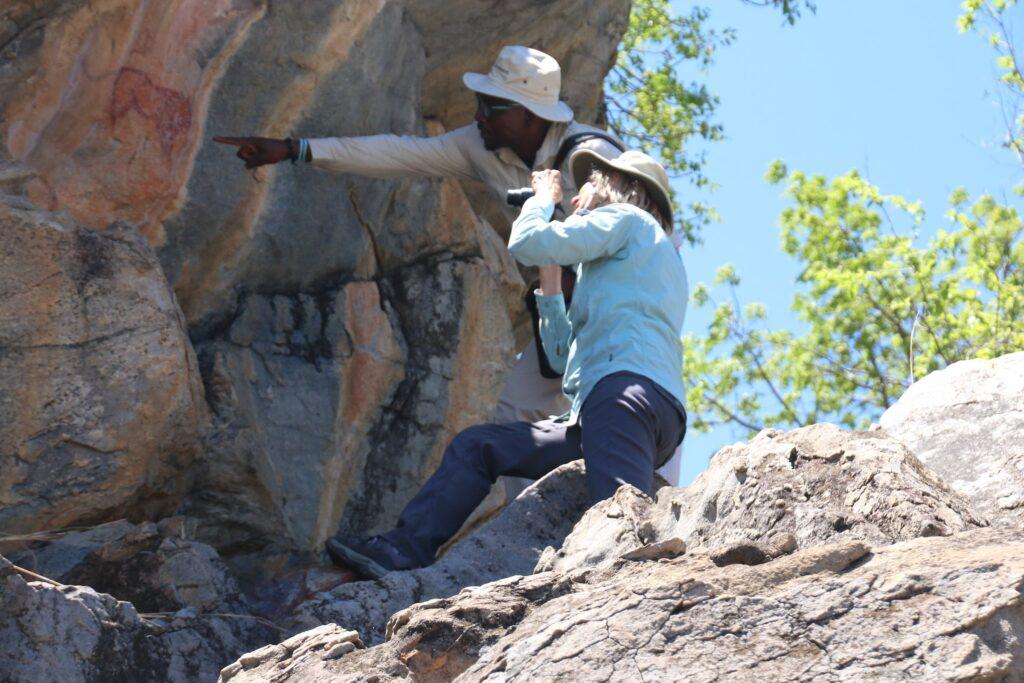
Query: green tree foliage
x,y
650,105
989,18
879,307
879,310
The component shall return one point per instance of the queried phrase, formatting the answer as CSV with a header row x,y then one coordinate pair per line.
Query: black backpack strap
x,y
575,139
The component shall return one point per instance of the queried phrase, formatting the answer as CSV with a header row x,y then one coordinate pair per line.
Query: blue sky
x,y
890,88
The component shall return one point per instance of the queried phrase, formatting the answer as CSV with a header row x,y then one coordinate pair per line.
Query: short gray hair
x,y
615,187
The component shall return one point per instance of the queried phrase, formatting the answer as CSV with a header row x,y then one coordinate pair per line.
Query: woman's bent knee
x,y
471,448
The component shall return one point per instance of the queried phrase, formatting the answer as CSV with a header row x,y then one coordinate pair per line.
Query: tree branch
x,y
729,414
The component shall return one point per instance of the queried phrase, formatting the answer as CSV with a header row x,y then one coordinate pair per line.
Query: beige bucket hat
x,y
527,76
635,164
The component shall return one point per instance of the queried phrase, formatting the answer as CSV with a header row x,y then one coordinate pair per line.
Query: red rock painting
x,y
169,111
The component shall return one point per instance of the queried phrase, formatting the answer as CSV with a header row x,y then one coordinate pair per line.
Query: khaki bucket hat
x,y
635,164
527,76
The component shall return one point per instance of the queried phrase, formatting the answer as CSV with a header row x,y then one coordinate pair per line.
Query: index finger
x,y
237,142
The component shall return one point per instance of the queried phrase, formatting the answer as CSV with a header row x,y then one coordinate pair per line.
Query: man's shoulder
x,y
596,144
466,139
577,128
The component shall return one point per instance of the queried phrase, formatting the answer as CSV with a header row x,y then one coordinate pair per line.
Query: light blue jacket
x,y
630,298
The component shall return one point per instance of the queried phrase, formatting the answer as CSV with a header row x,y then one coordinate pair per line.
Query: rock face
x,y
73,633
266,356
346,328
156,567
813,485
106,101
102,408
965,422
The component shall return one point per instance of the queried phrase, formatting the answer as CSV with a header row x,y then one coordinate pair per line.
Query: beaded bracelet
x,y
297,152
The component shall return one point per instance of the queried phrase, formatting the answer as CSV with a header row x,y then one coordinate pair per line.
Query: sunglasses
x,y
489,108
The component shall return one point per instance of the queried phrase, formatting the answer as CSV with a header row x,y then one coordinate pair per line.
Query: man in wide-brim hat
x,y
520,126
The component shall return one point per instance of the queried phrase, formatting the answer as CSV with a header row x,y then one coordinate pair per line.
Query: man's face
x,y
499,121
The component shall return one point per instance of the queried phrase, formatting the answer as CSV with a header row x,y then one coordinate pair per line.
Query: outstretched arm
x,y
380,156
384,156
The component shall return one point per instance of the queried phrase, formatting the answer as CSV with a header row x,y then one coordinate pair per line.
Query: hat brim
x,y
481,83
582,162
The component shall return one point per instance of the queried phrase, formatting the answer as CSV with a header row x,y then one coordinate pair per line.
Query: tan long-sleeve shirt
x,y
457,154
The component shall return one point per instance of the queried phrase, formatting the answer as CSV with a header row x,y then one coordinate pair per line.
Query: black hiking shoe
x,y
372,557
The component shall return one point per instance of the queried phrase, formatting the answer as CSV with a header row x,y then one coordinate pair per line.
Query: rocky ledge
x,y
813,555
931,609
816,554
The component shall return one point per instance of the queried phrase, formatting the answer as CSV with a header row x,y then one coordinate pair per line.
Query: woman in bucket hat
x,y
619,345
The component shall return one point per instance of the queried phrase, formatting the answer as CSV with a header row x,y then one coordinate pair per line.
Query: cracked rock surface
x,y
775,493
820,484
768,588
73,634
102,410
156,567
932,609
965,422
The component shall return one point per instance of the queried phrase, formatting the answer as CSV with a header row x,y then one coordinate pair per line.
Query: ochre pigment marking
x,y
167,109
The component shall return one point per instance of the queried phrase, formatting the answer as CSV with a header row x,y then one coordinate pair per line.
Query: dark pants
x,y
628,427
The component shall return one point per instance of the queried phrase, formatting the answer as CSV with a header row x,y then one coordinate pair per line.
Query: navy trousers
x,y
628,427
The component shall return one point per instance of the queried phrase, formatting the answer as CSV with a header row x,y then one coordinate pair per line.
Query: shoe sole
x,y
366,566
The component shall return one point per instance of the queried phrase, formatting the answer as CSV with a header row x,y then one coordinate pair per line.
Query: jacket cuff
x,y
320,148
550,306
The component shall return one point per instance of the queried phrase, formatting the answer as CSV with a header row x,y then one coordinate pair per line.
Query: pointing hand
x,y
257,151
